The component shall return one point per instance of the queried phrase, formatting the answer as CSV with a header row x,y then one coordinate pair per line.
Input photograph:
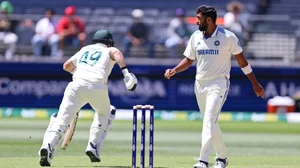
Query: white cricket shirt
x,y
213,54
93,63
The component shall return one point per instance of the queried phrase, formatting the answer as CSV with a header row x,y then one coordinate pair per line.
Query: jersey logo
x,y
198,43
217,43
208,52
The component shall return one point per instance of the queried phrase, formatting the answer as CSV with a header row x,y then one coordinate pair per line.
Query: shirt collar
x,y
101,44
213,35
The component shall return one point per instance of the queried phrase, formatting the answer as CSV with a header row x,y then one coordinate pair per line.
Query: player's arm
x,y
129,78
246,68
237,51
185,63
69,66
117,56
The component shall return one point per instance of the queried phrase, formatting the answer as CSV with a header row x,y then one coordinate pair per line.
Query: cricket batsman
x,y
212,47
90,67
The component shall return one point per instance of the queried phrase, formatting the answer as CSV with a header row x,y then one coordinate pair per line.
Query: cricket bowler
x,y
90,67
212,47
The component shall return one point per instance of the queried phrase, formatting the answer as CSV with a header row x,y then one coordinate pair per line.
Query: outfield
x,y
177,143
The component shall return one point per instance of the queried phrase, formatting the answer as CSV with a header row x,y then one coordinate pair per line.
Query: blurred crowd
x,y
49,36
237,21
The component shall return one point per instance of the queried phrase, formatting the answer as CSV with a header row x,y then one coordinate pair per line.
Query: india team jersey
x,y
93,63
213,54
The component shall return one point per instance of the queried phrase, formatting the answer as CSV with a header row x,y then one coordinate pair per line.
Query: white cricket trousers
x,y
211,95
77,94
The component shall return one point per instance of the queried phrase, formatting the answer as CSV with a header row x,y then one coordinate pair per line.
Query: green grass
x,y
177,143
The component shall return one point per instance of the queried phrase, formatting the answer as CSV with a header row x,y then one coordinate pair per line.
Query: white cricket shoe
x,y
200,165
45,154
92,153
220,163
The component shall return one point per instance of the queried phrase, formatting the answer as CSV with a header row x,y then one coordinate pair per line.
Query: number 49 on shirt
x,y
90,59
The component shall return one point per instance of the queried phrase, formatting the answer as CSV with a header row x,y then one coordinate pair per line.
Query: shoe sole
x,y
44,158
92,157
226,164
197,167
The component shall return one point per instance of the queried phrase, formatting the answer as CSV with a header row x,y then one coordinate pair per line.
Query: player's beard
x,y
203,27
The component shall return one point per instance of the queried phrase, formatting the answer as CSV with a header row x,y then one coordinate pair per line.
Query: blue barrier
x,y
41,85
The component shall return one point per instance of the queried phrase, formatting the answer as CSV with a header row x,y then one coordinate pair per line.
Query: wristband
x,y
125,71
247,69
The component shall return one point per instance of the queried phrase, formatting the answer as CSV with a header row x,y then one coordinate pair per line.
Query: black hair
x,y
107,42
51,11
208,11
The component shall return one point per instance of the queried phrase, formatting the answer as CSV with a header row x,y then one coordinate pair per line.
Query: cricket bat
x,y
70,132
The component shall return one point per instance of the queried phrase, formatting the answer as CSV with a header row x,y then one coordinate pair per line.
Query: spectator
x,y
178,33
27,24
263,6
137,34
8,29
25,32
71,30
236,21
45,35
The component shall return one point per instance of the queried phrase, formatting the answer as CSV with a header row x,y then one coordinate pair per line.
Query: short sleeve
x,y
235,46
74,59
190,49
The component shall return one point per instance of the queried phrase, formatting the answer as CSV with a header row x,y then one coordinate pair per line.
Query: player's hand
x,y
129,80
259,90
169,73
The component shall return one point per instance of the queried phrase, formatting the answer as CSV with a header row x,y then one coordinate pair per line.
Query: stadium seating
x,y
273,46
129,3
275,37
116,16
